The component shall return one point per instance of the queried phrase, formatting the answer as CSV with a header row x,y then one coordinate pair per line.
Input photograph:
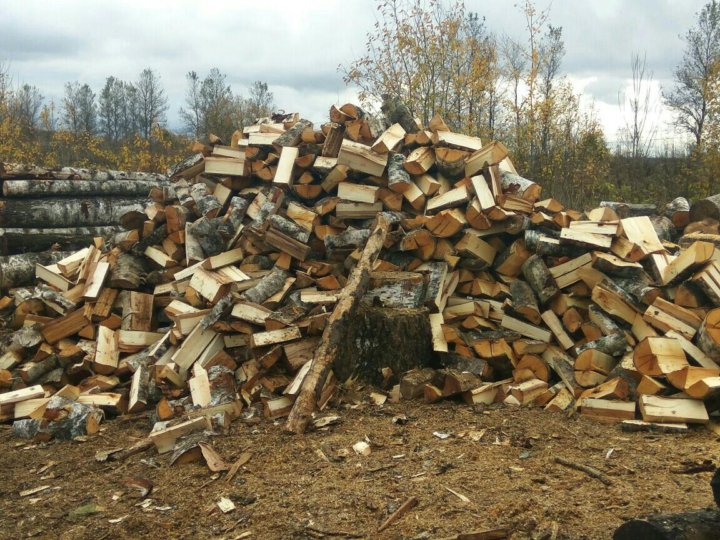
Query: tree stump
x,y
400,339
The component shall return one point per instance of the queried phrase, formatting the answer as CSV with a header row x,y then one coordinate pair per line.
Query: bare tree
x,y
79,111
690,98
116,109
48,117
211,106
192,115
551,53
514,66
25,106
259,103
151,103
639,109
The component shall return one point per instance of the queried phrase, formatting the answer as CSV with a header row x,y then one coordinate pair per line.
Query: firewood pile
x,y
234,290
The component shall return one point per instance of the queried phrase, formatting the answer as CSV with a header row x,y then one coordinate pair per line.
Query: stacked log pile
x,y
66,207
246,277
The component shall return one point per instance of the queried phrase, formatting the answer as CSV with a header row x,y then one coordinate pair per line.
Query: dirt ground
x,y
469,469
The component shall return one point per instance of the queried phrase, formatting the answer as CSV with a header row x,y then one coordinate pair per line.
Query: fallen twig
x,y
590,471
140,446
405,507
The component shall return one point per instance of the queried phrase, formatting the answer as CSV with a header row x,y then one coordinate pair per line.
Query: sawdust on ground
x,y
499,463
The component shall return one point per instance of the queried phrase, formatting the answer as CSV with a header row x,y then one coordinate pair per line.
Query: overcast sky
x,y
297,45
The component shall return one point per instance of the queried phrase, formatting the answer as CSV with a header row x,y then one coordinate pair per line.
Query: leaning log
x,y
523,301
336,330
697,525
66,212
19,270
266,287
79,188
31,239
708,207
188,167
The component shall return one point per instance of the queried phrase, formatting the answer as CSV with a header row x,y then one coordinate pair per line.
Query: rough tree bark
x,y
129,272
292,136
397,112
336,330
706,208
678,210
625,210
333,140
12,171
25,240
66,212
379,338
697,525
522,187
398,178
539,278
266,287
80,188
18,270
664,228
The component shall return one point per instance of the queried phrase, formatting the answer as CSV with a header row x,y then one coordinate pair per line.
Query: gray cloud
x,y
297,46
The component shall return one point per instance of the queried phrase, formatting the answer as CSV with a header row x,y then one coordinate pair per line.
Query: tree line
x,y
438,57
123,125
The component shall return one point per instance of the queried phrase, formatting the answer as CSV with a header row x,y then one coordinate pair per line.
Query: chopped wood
x,y
238,263
661,409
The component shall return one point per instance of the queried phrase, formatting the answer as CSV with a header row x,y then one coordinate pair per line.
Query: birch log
x,y
292,136
625,210
708,336
539,278
336,329
18,270
80,188
333,140
12,171
66,212
31,239
129,272
398,178
708,207
522,187
678,210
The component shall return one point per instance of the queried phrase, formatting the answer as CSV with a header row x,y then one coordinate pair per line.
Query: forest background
x,y
439,57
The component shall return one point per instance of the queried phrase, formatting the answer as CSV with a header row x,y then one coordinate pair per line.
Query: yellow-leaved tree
x,y
437,58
